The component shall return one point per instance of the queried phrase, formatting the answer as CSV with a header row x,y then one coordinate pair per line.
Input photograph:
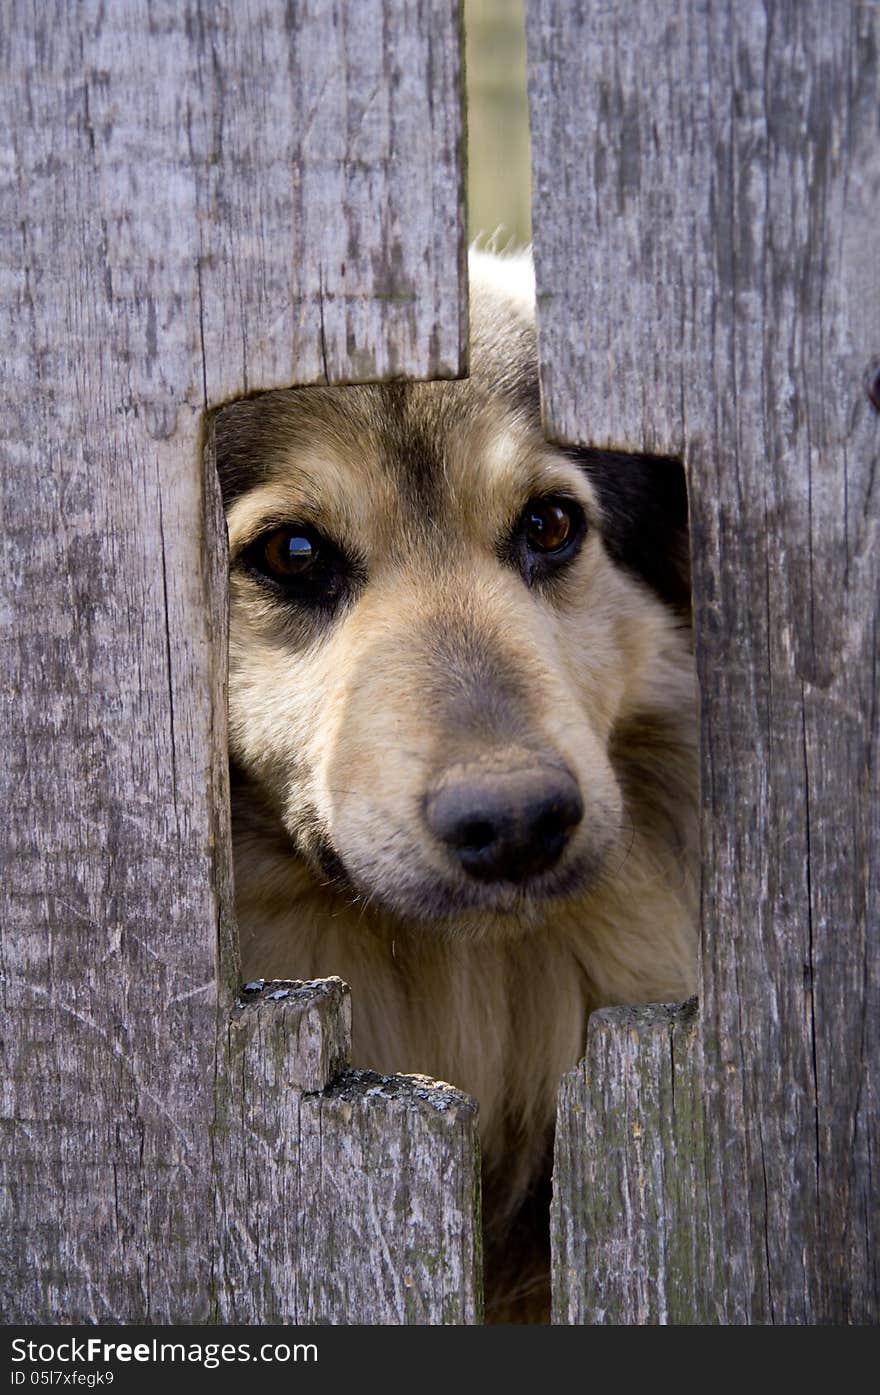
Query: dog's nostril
x,y
550,837
555,822
505,827
476,835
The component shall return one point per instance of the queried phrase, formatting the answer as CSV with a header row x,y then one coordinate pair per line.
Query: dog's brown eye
x,y
289,552
547,536
303,568
548,526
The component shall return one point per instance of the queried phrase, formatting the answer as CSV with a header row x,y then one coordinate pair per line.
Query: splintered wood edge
x,y
299,1031
302,1030
415,1092
647,1018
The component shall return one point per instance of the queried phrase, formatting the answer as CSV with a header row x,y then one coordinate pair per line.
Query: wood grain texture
x,y
621,188
358,1204
348,135
309,161
629,1219
297,1036
161,200
708,259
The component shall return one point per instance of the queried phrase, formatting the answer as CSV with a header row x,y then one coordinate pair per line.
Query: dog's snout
x,y
505,826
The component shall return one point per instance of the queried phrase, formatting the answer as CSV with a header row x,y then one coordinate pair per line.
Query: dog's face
x,y
436,635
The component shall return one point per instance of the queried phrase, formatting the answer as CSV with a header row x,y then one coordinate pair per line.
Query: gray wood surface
x,y
328,200
178,185
356,1204
629,1211
707,185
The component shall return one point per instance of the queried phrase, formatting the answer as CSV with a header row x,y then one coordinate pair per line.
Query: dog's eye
x,y
547,536
289,552
548,525
303,567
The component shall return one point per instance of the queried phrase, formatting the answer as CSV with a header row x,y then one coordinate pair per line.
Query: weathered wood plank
x,y
309,162
351,141
355,1204
111,907
788,575
297,1036
620,141
161,194
629,1216
709,282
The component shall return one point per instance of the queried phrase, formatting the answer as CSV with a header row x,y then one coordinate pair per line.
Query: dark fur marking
x,y
240,438
645,525
330,863
412,453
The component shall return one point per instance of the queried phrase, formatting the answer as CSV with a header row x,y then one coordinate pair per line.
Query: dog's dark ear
x,y
645,509
240,441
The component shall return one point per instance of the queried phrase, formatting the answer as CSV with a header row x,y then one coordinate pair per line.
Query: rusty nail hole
x,y
872,382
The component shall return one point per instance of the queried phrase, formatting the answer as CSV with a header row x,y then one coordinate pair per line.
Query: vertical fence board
x,y
350,140
629,1184
346,1196
407,1148
160,178
707,250
788,575
619,102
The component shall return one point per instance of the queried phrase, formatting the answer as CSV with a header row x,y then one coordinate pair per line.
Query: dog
x,y
462,714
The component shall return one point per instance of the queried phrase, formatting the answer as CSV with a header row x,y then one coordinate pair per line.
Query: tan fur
x,y
337,728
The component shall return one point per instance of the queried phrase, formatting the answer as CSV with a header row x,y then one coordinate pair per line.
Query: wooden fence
x,y
204,201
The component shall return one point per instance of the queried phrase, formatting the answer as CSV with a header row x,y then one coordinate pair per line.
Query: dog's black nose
x,y
505,826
